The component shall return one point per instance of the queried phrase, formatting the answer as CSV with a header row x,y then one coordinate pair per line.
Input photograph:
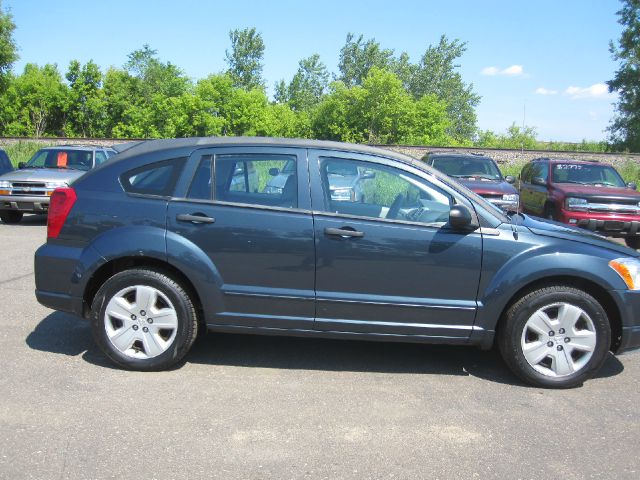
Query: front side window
x,y
366,189
269,180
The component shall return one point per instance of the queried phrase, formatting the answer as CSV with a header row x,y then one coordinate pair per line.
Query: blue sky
x,y
546,58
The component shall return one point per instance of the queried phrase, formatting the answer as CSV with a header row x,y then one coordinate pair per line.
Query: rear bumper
x,y
61,301
62,273
24,203
609,224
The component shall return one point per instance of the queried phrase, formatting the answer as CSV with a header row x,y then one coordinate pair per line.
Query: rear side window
x,y
269,180
158,179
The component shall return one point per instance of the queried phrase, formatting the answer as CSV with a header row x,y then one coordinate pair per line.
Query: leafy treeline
x,y
375,97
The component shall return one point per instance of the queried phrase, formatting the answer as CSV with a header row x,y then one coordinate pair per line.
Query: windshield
x,y
587,174
62,158
463,167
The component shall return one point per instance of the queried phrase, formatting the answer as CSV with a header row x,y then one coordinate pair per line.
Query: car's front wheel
x,y
555,337
143,320
10,216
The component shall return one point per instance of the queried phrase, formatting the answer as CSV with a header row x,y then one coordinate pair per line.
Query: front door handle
x,y
194,218
344,232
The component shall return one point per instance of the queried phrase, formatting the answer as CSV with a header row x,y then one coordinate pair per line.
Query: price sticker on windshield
x,y
568,166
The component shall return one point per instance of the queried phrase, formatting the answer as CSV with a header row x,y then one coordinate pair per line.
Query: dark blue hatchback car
x,y
176,235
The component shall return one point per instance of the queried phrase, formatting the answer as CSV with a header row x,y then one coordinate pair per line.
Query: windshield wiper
x,y
574,181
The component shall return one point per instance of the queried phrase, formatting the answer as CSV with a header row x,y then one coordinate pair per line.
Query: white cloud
x,y
598,90
545,91
512,71
490,71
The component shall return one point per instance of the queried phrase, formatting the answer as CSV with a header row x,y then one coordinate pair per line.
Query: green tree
x,y
380,111
8,49
85,108
35,101
436,74
625,126
245,58
358,56
307,86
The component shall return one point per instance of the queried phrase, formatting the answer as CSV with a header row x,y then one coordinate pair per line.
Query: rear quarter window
x,y
157,179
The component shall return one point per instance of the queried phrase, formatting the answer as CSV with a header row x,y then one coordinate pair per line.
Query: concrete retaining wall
x,y
505,158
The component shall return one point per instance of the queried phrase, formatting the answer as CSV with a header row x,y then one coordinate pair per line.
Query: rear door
x,y
387,263
258,236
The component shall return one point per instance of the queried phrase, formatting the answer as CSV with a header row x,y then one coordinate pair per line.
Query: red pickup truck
x,y
585,194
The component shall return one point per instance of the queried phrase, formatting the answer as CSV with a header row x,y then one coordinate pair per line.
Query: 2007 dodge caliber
x,y
176,235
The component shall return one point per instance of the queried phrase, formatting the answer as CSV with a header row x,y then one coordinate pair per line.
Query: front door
x,y
386,261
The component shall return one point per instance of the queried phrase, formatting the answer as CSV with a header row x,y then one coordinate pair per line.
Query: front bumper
x,y
628,302
25,203
608,224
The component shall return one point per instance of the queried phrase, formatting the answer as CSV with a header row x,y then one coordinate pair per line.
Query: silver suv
x,y
28,189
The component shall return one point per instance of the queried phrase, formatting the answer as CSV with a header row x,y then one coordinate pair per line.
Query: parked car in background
x,y
156,244
5,163
478,173
585,194
346,182
28,189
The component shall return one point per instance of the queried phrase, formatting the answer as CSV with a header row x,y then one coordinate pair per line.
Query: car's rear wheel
x,y
633,242
555,337
10,216
143,320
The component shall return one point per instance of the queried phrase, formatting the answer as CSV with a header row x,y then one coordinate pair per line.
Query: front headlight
x,y
510,197
4,184
629,271
573,203
55,184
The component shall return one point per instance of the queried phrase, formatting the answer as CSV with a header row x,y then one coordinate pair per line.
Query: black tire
x,y
510,335
10,216
633,242
550,212
187,319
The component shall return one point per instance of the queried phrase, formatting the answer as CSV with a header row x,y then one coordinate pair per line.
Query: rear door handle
x,y
194,218
344,232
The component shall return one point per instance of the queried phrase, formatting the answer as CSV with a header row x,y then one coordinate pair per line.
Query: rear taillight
x,y
62,201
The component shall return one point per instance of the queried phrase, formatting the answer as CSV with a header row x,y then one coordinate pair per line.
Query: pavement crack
x,y
19,277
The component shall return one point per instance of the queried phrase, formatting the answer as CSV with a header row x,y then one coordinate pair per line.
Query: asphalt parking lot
x,y
288,408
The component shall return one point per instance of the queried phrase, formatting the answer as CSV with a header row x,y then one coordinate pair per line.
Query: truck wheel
x,y
10,216
549,212
555,337
143,320
633,242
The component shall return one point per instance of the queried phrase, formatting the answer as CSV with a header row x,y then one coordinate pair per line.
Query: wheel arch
x,y
588,286
110,268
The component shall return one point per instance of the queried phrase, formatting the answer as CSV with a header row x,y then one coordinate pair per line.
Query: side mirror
x,y
632,186
274,171
539,181
22,165
459,217
510,179
368,175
